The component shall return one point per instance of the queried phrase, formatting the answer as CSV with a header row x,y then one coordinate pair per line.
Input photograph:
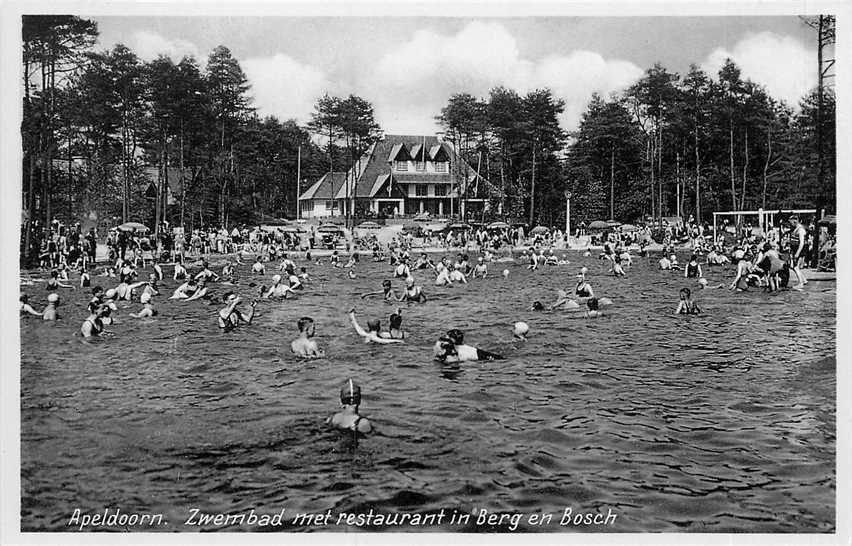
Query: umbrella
x,y
329,228
629,227
369,225
598,224
459,226
133,226
613,223
498,225
539,229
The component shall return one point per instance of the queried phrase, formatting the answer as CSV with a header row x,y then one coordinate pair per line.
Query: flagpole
x,y
299,184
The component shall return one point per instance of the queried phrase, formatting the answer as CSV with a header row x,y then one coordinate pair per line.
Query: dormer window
x,y
400,165
421,166
441,167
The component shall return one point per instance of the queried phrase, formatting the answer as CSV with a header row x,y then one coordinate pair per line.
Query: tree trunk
x,y
766,164
532,189
697,179
745,173
612,182
731,150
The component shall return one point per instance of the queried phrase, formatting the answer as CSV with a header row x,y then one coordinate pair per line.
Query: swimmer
x,y
673,262
349,418
148,309
228,271
423,262
451,348
412,292
616,269
563,299
693,269
387,292
53,282
50,311
25,307
686,306
188,290
537,306
257,267
443,278
335,259
395,326
277,290
303,345
505,273
108,304
520,330
593,311
402,271
85,279
93,325
180,272
456,275
205,275
303,274
373,335
480,270
158,270
583,288
229,316
351,274
350,262
665,264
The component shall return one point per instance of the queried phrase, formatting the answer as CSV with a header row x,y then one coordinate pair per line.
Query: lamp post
x,y
568,217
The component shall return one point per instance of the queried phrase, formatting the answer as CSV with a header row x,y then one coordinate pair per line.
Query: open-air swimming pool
x,y
711,423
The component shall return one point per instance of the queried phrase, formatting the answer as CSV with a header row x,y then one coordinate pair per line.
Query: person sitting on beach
x,y
277,290
229,316
147,309
50,311
303,345
693,269
26,308
480,270
686,306
452,348
387,292
373,334
412,292
349,418
257,267
593,311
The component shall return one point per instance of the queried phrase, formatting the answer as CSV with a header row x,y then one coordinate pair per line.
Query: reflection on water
x,y
711,423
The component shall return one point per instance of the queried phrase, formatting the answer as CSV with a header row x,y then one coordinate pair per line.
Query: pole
x,y
568,220
299,184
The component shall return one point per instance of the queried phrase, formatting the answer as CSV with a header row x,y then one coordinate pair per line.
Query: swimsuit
x,y
691,270
583,290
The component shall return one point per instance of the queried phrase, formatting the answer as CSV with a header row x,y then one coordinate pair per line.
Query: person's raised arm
x,y
247,317
361,331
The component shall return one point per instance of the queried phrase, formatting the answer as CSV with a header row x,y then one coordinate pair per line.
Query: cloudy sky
x,y
408,66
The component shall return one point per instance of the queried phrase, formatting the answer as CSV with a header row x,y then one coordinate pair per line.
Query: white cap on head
x,y
505,272
276,278
53,298
521,328
702,281
584,270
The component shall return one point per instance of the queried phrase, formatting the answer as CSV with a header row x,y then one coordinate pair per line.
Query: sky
x,y
408,67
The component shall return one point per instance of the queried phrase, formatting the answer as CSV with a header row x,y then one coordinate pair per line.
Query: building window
x,y
401,166
422,190
421,166
307,205
440,190
441,167
329,205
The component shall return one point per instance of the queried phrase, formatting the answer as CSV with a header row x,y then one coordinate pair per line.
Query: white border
x,y
10,184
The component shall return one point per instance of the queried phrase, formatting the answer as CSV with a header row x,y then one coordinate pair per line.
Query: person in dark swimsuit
x,y
452,348
693,269
348,419
583,288
412,292
229,316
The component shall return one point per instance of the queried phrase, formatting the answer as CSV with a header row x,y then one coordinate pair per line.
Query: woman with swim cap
x,y
520,330
452,348
412,292
50,311
349,418
583,288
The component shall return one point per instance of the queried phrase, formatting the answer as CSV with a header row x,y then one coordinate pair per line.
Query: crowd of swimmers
x,y
756,265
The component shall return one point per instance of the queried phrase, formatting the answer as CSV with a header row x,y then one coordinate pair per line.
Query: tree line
x,y
669,144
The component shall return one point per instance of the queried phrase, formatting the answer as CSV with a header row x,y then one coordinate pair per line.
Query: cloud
x,y
284,87
150,45
410,84
783,64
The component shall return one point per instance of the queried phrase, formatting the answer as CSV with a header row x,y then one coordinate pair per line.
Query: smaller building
x,y
320,200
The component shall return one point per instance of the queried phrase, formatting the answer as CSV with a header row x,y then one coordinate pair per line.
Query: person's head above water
x,y
306,325
520,329
685,293
537,306
386,284
53,298
350,394
395,321
456,336
374,325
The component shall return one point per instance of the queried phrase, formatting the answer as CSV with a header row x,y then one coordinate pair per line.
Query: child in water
x,y
686,306
349,418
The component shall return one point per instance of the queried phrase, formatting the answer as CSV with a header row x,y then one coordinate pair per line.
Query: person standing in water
x,y
230,317
686,306
349,418
303,345
797,249
50,311
693,269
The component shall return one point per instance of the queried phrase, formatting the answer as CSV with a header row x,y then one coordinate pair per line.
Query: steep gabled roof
x,y
326,187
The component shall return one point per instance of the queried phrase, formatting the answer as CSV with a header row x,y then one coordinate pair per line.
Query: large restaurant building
x,y
398,175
